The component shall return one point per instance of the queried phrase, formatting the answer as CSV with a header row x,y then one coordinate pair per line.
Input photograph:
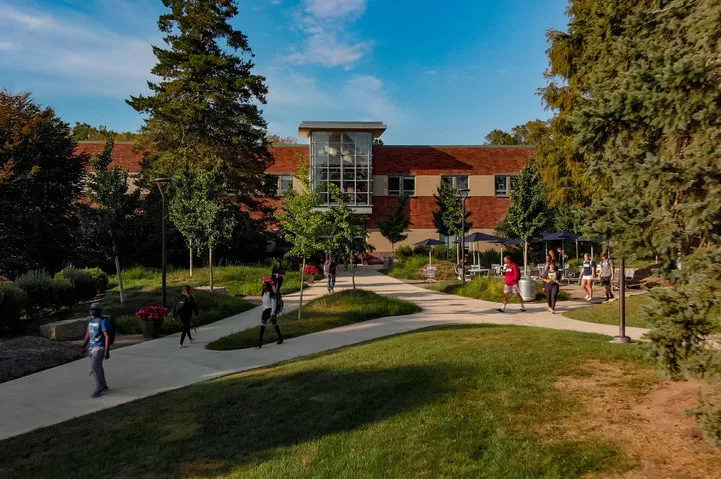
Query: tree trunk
x,y
302,272
118,273
210,261
191,259
525,259
352,268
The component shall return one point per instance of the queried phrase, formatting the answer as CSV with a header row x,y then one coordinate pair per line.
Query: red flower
x,y
310,269
152,313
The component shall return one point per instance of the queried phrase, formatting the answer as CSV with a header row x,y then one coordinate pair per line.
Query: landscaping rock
x,y
65,330
216,290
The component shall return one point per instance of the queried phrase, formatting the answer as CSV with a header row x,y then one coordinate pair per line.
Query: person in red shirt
x,y
513,274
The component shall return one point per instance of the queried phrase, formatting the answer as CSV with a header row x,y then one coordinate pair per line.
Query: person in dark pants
x,y
277,276
331,271
552,286
545,270
97,345
269,309
185,307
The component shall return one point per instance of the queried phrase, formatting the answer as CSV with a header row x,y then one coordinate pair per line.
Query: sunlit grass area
x,y
489,289
608,313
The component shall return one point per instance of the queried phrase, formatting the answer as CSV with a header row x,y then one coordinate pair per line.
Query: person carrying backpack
x,y
98,339
331,271
269,313
184,308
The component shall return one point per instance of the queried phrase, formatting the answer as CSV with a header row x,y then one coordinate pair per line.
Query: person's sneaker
x,y
192,341
96,394
500,310
586,298
523,310
181,346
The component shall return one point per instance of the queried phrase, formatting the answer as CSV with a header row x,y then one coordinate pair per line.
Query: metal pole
x,y
622,338
463,242
163,254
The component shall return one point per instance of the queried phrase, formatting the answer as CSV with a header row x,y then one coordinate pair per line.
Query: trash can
x,y
528,289
387,262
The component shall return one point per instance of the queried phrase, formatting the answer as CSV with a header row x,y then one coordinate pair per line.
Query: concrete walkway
x,y
134,372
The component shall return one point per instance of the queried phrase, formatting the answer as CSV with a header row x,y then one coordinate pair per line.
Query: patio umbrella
x,y
430,242
562,236
485,238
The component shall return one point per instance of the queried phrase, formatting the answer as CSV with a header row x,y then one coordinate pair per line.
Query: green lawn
x,y
212,307
607,313
454,402
326,312
239,280
412,268
489,289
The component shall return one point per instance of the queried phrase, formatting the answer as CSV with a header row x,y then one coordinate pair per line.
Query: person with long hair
x,y
606,275
588,275
269,313
552,286
184,308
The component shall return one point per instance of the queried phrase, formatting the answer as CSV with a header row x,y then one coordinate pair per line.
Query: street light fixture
x,y
463,194
163,186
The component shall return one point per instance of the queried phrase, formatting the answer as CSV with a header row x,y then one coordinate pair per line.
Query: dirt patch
x,y
643,416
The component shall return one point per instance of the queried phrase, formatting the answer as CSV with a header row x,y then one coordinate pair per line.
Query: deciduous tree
x,y
395,223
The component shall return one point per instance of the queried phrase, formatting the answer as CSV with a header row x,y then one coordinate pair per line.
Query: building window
x,y
285,183
504,184
458,182
401,185
343,160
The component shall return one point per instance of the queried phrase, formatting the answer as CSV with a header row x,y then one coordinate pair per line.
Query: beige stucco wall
x,y
382,245
427,185
482,185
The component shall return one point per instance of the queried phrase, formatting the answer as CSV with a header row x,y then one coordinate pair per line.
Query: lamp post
x,y
163,185
463,194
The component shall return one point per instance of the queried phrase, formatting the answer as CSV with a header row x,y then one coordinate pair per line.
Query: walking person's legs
x,y
274,322
332,283
548,288
520,298
330,276
506,292
278,284
553,296
96,356
263,321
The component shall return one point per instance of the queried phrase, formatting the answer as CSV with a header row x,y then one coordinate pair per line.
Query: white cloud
x,y
328,41
294,90
75,54
367,94
7,45
334,8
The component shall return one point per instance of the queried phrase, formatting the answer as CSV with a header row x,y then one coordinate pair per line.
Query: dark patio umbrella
x,y
430,242
563,236
484,238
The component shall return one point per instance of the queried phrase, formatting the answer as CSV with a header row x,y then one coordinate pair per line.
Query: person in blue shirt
x,y
588,275
97,345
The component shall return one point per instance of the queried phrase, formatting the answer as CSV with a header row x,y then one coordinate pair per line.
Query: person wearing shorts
x,y
588,274
607,275
513,274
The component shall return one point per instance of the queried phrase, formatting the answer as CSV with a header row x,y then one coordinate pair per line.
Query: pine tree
x,y
204,110
395,223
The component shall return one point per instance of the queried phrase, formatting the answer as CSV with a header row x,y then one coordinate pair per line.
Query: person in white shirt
x,y
269,313
607,275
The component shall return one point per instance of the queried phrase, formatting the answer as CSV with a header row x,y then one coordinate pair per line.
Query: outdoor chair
x,y
496,268
431,274
570,275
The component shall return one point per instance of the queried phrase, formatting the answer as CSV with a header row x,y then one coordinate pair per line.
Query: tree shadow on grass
x,y
212,428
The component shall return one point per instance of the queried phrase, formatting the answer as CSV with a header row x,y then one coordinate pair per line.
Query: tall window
x,y
458,182
285,183
401,185
504,184
343,160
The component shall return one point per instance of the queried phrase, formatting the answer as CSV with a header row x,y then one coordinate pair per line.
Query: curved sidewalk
x,y
61,393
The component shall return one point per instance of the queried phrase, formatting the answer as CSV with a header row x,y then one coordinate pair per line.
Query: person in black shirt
x,y
277,276
185,307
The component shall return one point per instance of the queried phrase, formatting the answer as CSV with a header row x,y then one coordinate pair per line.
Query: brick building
x,y
374,176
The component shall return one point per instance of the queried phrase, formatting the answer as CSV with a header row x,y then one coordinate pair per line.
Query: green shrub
x,y
443,253
404,252
84,282
100,277
63,292
419,250
13,301
137,272
39,288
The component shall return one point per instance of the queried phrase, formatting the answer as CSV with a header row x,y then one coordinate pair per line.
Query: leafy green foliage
x,y
84,131
63,292
413,268
39,288
40,182
344,231
404,252
327,312
394,224
85,284
13,301
204,110
448,218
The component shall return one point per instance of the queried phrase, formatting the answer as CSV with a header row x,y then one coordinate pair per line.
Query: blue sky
x,y
435,72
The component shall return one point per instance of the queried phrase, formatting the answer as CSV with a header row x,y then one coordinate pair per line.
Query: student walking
x,y
269,313
184,308
607,275
97,342
277,275
588,275
330,270
513,274
546,269
552,286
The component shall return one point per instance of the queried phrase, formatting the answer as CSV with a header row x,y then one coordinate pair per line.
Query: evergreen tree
x,y
204,110
107,187
40,184
395,223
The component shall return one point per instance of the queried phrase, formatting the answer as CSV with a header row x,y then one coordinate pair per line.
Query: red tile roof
x,y
123,154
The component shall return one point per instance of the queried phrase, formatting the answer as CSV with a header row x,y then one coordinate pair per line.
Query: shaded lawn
x,y
461,401
327,312
212,307
489,289
242,280
608,313
412,268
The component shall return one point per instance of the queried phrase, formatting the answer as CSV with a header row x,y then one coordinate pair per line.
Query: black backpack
x,y
180,305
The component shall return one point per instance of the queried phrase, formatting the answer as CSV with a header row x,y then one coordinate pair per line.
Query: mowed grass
x,y
242,280
489,289
454,402
412,268
326,312
212,307
608,313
